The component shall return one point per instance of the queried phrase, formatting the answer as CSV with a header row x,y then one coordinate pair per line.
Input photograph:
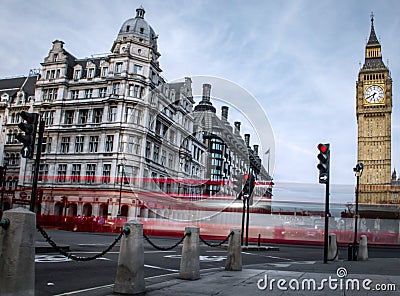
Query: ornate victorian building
x,y
118,138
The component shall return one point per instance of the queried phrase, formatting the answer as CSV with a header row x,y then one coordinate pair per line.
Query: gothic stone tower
x,y
373,110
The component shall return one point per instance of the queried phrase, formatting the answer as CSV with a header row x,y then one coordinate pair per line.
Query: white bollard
x,y
333,254
17,253
190,260
234,257
363,249
129,278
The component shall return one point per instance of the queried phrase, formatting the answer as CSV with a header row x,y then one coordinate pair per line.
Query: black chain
x,y
165,248
74,257
217,244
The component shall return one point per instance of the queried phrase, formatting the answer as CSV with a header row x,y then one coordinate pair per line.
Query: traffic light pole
x,y
248,219
2,184
37,164
323,167
358,170
243,217
327,215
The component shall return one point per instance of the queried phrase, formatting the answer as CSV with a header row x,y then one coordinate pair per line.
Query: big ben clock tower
x,y
373,110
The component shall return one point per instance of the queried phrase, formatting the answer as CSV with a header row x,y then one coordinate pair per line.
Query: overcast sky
x,y
299,59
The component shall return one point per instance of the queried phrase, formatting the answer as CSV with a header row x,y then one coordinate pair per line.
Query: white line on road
x,y
153,252
272,257
162,268
85,290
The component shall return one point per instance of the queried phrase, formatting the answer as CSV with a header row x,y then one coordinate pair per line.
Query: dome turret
x,y
137,28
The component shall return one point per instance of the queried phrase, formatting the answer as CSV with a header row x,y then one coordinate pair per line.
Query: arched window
x,y
9,183
15,183
9,137
11,160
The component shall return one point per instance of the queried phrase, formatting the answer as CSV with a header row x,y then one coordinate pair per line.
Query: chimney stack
x,y
255,149
224,112
247,139
237,127
206,92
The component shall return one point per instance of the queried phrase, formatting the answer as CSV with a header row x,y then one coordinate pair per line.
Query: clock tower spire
x,y
373,111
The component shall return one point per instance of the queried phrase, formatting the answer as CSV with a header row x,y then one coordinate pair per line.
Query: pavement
x,y
376,276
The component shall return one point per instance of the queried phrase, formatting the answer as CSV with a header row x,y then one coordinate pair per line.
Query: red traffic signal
x,y
323,147
323,165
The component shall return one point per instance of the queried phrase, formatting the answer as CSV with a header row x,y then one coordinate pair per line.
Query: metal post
x,y
37,164
243,217
327,215
247,220
3,184
120,190
358,170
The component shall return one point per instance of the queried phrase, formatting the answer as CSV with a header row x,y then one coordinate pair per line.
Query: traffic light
x,y
28,138
249,185
238,185
323,165
246,187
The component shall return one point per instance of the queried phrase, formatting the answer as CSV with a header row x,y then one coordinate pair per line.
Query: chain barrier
x,y
217,244
165,248
48,239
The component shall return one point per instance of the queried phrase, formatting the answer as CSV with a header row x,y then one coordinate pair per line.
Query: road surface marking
x,y
272,257
86,290
202,258
162,268
153,252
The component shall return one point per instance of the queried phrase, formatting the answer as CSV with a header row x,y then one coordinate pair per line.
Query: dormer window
x,y
141,30
90,73
104,71
127,28
77,74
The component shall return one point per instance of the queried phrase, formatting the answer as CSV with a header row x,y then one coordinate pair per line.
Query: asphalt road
x,y
57,275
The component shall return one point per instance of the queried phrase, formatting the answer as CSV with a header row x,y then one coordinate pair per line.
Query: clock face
x,y
374,94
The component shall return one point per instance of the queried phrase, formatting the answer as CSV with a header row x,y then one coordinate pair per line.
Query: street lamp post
x,y
3,182
122,171
358,172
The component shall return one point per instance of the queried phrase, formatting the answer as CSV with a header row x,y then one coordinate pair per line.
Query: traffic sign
x,y
323,178
26,152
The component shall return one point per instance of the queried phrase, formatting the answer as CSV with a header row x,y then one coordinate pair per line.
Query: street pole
x,y
243,217
37,164
358,170
3,182
247,220
327,215
120,187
